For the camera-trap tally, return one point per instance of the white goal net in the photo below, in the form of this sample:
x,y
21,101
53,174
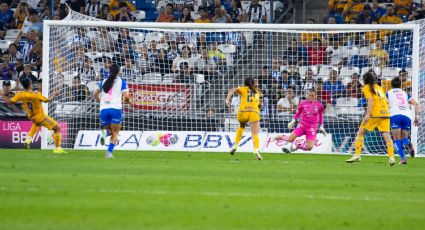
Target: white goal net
x,y
179,74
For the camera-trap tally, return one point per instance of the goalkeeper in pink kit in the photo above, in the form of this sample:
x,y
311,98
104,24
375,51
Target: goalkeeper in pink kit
x,y
310,111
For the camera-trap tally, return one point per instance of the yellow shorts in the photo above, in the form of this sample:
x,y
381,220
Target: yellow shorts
x,y
248,117
45,121
383,124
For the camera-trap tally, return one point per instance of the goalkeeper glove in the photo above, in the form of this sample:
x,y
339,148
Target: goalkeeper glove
x,y
291,124
322,130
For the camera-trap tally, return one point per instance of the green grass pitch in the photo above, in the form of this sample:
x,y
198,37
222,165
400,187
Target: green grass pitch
x,y
176,190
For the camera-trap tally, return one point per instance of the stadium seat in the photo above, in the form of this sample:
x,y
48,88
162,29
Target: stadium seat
x,y
11,34
114,34
93,34
151,78
349,51
12,84
4,45
364,51
139,15
94,56
180,46
303,69
168,78
70,109
228,50
156,36
245,5
161,5
390,72
195,15
324,71
69,76
358,61
230,124
348,71
138,37
347,102
199,78
162,46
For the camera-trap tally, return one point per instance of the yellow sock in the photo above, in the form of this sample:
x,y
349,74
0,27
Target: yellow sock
x,y
57,138
390,148
238,136
31,134
359,145
256,141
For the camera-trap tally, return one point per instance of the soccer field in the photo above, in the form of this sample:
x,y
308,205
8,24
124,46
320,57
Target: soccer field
x,y
169,190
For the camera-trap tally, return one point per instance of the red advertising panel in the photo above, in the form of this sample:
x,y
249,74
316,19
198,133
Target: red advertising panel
x,y
167,97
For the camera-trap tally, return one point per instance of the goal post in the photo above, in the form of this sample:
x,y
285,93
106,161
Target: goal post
x,y
168,103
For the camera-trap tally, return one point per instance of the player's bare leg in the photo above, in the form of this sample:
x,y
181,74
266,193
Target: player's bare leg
x,y
358,146
31,134
255,129
115,129
396,133
238,138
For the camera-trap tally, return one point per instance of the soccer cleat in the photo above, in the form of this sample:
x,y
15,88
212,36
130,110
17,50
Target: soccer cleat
x,y
391,161
232,151
353,159
411,149
27,145
403,162
59,151
103,137
258,156
109,155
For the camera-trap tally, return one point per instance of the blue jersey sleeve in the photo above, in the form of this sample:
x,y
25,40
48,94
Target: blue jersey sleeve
x,y
123,85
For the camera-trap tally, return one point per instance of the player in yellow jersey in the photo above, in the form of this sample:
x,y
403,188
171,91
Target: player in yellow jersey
x,y
377,116
249,112
31,103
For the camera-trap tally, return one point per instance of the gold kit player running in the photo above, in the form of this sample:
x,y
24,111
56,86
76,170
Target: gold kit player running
x,y
249,112
31,103
377,116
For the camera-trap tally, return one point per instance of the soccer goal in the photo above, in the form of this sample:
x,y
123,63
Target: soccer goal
x,y
179,75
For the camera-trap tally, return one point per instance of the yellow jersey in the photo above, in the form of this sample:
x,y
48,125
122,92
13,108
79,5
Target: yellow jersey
x,y
390,20
250,101
114,7
31,102
337,4
380,103
379,57
353,11
403,3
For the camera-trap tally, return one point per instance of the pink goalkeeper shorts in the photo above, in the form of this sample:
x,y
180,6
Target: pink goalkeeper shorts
x,y
310,133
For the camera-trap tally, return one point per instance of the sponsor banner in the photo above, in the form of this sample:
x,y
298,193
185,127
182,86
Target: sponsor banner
x,y
323,143
127,140
161,97
223,142
171,141
13,133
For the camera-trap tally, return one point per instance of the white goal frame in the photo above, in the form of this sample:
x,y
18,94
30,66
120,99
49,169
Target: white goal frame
x,y
294,28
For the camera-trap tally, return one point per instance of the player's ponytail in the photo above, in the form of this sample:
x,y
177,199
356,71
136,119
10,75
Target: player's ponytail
x,y
249,82
113,73
370,79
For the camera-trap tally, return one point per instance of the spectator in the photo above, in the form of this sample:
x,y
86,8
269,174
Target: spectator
x,y
334,86
20,14
203,16
6,15
162,64
167,14
352,21
211,8
19,66
104,71
124,15
372,36
105,13
124,38
93,9
79,92
14,53
7,70
336,6
266,81
403,7
352,9
377,11
63,89
284,82
276,69
354,88
143,61
255,13
185,74
335,52
87,73
104,42
216,55
316,53
335,18
36,24
308,82
36,56
294,54
186,16
306,38
173,51
186,56
153,51
7,93
389,17
331,20
206,66
28,74
288,104
406,84
221,16
77,5
235,11
366,16
114,6
128,71
323,95
379,55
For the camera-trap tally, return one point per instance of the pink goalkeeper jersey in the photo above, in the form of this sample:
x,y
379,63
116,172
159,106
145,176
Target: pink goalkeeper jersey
x,y
311,114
